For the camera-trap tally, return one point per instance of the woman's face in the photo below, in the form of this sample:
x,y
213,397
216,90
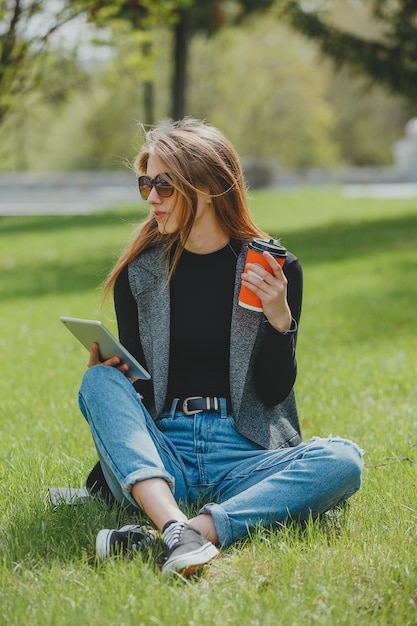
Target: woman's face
x,y
165,210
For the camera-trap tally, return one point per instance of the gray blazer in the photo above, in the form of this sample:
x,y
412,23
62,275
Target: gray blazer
x,y
269,427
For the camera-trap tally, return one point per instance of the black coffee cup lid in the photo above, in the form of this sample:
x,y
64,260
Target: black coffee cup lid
x,y
261,245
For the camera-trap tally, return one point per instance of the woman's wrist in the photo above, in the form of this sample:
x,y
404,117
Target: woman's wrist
x,y
290,330
282,323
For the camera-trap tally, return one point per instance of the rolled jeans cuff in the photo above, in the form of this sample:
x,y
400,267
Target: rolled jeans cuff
x,y
145,474
221,523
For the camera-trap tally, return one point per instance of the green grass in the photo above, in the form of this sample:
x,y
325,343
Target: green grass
x,y
357,370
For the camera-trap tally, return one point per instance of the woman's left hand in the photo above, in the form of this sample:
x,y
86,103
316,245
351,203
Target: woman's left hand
x,y
271,289
114,361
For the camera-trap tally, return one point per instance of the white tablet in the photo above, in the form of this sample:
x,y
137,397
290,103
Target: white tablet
x,y
89,331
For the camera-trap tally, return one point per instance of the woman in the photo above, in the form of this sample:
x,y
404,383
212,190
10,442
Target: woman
x,y
217,423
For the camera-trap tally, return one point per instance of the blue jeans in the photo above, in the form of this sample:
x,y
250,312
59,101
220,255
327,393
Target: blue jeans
x,y
203,458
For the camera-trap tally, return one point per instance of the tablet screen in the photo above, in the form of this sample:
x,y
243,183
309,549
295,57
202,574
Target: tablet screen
x,y
89,331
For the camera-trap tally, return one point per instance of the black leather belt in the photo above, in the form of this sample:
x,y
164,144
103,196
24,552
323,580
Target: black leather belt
x,y
198,404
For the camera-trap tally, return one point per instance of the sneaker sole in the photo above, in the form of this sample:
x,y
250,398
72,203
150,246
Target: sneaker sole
x,y
188,564
102,543
103,547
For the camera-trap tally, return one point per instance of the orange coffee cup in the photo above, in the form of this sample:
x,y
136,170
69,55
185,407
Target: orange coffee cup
x,y
247,298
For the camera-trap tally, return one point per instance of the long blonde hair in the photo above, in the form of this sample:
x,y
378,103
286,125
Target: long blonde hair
x,y
196,155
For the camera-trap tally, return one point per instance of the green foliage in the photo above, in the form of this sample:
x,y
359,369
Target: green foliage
x,y
367,122
98,128
26,28
390,58
185,17
252,83
266,86
356,359
138,15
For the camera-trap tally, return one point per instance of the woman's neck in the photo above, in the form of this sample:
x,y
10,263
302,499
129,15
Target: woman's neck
x,y
207,248
206,234
205,242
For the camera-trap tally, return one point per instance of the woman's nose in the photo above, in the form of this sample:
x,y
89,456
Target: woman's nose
x,y
154,197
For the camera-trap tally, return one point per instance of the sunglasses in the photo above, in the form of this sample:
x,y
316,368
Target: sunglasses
x,y
162,186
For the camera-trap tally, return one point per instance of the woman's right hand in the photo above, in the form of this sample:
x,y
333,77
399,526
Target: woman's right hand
x,y
114,361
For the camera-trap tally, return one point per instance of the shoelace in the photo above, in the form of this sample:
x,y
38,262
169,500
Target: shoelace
x,y
173,534
135,538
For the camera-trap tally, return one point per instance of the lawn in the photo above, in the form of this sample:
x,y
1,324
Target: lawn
x,y
357,371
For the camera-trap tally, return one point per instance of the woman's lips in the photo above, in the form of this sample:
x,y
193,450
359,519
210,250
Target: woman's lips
x,y
159,215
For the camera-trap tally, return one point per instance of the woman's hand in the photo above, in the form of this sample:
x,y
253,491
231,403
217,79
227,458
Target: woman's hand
x,y
114,361
271,289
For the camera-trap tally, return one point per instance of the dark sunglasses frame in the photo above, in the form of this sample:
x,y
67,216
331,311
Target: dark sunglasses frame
x,y
162,186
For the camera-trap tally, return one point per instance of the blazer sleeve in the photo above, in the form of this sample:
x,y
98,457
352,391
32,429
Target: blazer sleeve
x,y
275,369
128,328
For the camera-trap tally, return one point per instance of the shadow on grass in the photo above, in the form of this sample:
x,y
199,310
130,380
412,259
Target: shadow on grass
x,y
22,225
41,277
344,240
33,280
332,242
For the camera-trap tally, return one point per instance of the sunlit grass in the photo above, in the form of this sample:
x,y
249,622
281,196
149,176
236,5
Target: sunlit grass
x,y
357,372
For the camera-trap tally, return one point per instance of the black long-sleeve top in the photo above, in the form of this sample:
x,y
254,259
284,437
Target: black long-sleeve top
x,y
201,294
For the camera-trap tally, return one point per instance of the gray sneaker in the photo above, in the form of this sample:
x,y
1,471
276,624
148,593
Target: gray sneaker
x,y
188,551
127,539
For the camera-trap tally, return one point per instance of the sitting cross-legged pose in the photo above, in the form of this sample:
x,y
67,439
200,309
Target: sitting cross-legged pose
x,y
217,422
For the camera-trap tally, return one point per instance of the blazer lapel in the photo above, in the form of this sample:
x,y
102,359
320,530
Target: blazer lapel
x,y
244,330
147,276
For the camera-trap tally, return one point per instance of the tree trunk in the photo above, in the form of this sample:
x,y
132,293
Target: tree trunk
x,y
182,35
148,90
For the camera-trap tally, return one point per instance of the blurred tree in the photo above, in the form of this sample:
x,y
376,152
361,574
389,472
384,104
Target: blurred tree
x,y
25,29
129,18
206,16
262,85
26,128
185,17
368,120
258,82
388,56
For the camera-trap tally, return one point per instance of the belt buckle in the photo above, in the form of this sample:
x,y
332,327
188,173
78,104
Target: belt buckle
x,y
185,405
